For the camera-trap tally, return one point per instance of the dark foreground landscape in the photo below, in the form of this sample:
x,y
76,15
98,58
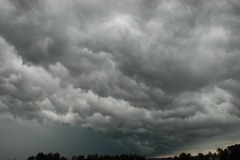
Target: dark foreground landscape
x,y
230,153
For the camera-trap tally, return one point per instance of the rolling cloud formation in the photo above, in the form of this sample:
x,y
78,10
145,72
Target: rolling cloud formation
x,y
155,74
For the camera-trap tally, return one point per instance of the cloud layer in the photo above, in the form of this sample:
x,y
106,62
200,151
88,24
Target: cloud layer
x,y
157,75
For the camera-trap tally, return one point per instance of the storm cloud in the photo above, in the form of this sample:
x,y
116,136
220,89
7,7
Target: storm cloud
x,y
156,75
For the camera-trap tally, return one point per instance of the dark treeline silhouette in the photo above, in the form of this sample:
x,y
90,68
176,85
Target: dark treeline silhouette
x,y
49,156
56,156
230,153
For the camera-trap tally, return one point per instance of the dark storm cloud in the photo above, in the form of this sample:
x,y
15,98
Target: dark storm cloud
x,y
24,138
157,75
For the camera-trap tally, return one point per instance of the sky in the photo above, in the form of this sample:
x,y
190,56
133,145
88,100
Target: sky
x,y
152,77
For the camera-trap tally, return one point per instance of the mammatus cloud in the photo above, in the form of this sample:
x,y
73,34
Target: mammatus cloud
x,y
157,75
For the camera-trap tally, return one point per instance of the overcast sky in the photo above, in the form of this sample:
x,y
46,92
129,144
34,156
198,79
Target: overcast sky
x,y
153,77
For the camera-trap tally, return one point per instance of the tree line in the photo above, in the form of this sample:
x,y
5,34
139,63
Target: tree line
x,y
230,153
56,156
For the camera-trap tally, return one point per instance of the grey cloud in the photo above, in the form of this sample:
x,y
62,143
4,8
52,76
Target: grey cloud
x,y
156,75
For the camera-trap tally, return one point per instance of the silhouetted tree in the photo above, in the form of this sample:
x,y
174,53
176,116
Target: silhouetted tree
x,y
63,158
56,156
183,156
234,152
31,158
200,156
40,156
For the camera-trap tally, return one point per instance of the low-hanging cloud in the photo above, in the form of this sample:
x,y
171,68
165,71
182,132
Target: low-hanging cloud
x,y
157,75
